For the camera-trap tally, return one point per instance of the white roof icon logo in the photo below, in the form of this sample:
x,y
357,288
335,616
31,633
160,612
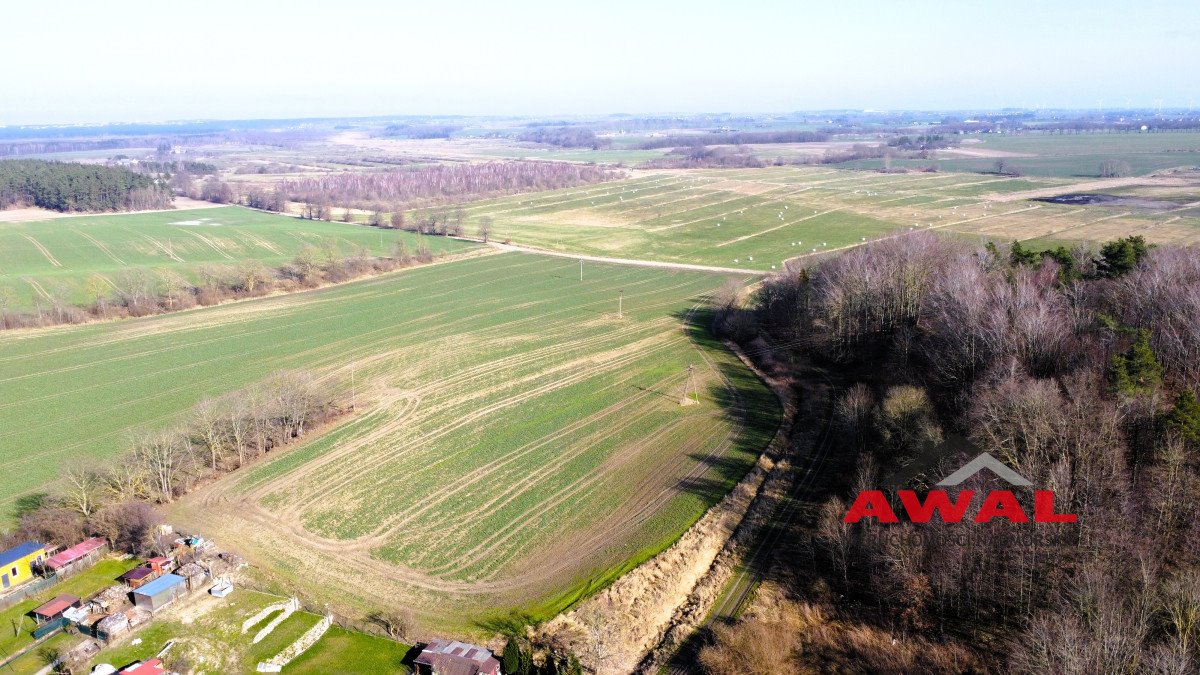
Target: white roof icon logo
x,y
985,461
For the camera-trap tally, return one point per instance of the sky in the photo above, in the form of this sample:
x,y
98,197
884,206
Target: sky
x,y
86,61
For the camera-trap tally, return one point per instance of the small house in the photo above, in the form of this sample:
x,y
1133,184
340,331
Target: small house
x,y
55,608
160,564
451,657
160,592
139,576
82,554
16,564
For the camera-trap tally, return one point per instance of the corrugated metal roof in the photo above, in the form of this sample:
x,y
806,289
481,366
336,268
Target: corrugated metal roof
x,y
20,551
70,555
159,585
57,605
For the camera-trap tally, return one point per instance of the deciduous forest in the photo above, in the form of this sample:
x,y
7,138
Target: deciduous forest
x,y
1077,368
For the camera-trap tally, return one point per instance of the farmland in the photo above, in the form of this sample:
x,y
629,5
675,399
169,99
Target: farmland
x,y
1065,155
60,256
515,440
756,219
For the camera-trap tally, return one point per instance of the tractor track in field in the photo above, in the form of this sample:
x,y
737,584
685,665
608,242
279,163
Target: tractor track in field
x,y
100,245
163,248
574,192
777,200
44,251
211,243
510,583
368,466
38,288
505,496
779,227
429,390
608,192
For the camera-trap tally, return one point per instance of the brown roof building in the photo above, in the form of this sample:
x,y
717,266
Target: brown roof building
x,y
55,608
450,657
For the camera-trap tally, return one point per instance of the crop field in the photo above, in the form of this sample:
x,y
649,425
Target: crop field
x,y
1065,155
60,256
756,218
516,442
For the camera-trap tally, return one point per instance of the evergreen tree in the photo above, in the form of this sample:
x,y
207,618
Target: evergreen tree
x,y
510,660
1137,371
1019,255
1067,269
1121,256
1185,416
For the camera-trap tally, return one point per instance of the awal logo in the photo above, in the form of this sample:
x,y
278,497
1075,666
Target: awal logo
x,y
996,504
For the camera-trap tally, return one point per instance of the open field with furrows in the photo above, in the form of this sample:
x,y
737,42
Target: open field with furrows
x,y
39,260
1063,155
516,458
516,442
757,218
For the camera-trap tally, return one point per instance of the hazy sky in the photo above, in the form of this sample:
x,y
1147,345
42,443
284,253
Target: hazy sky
x,y
121,60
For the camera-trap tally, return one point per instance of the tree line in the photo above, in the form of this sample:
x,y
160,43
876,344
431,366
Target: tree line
x,y
1079,368
140,291
735,138
565,137
438,184
69,186
113,498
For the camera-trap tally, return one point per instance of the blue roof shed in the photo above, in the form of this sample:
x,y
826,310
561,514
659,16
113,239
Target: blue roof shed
x,y
162,591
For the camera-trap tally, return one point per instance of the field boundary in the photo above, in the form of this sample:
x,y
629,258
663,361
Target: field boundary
x,y
686,267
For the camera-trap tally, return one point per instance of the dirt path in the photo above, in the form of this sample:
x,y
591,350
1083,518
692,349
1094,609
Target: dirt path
x,y
32,214
628,261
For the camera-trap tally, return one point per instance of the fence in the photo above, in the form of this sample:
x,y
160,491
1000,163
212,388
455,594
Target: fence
x,y
27,590
50,627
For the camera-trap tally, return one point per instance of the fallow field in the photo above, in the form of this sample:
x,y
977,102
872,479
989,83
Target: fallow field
x,y
755,219
516,442
61,256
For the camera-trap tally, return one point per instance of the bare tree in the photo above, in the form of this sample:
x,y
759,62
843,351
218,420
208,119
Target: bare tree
x,y
83,488
165,457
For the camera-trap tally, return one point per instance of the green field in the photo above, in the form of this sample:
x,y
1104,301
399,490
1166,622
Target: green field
x,y
1068,155
43,258
212,641
755,219
517,439
745,219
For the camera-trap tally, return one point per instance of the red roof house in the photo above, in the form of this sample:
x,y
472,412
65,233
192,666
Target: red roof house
x,y
76,553
451,657
55,608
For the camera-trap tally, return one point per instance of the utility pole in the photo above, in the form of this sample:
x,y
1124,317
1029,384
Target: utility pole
x,y
581,269
353,392
689,386
621,305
